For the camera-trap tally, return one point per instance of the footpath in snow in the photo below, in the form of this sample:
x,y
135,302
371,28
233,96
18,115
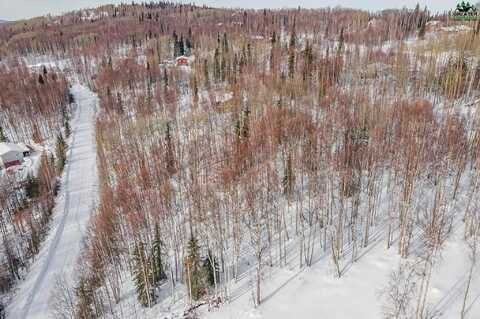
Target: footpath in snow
x,y
75,204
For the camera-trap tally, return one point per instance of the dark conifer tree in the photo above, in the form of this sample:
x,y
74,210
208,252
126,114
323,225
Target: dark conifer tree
x,y
273,43
216,65
194,270
288,177
211,269
181,46
206,73
225,43
71,98
165,77
157,263
176,49
249,54
32,187
3,137
245,126
143,276
170,152
189,41
85,300
291,55
61,152
341,40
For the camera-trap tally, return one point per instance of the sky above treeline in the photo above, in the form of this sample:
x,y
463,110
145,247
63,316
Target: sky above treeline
x,y
22,9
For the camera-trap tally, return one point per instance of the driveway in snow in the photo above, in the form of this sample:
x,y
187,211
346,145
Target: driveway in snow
x,y
75,204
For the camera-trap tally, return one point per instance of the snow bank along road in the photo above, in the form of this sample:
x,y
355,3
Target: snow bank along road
x,y
75,205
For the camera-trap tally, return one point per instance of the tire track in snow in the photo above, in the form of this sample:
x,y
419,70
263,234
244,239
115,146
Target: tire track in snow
x,y
55,241
63,245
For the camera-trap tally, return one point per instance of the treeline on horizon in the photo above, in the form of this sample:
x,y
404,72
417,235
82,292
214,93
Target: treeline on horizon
x,y
102,29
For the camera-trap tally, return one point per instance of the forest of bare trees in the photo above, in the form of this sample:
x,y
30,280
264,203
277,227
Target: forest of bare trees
x,y
292,134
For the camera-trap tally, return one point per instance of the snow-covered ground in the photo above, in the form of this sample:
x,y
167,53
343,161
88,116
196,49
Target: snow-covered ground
x,y
75,204
315,292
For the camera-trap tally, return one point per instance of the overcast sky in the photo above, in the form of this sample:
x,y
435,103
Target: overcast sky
x,y
19,9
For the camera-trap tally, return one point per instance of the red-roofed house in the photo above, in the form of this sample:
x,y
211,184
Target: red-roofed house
x,y
12,154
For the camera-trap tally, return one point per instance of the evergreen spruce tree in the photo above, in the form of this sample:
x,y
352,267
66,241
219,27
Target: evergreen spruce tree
x,y
291,64
157,264
210,269
71,98
225,43
68,130
110,63
175,45
308,58
181,46
288,177
293,39
291,55
84,301
245,127
32,187
194,271
205,72
66,122
3,137
61,152
195,89
341,41
170,154
119,103
272,52
249,54
216,65
143,276
165,77
223,66
189,42
243,60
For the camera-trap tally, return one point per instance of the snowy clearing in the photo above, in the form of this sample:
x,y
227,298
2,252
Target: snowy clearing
x,y
316,293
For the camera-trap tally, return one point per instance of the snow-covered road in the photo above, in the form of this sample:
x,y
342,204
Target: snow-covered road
x,y
75,205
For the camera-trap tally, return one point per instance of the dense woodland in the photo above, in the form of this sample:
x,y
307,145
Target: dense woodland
x,y
33,104
292,134
34,109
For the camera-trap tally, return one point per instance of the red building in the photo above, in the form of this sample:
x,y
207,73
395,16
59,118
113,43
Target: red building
x,y
12,154
181,60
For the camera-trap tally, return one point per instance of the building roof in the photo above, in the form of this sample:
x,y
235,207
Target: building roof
x,y
11,147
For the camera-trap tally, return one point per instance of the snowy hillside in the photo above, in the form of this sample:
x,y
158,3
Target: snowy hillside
x,y
224,163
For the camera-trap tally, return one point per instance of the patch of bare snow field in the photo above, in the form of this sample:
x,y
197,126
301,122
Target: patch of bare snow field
x,y
315,292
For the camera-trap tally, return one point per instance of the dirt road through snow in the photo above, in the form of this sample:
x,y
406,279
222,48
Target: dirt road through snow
x,y
75,205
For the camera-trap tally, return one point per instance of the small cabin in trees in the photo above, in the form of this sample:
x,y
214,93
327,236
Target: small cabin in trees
x,y
12,154
181,60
